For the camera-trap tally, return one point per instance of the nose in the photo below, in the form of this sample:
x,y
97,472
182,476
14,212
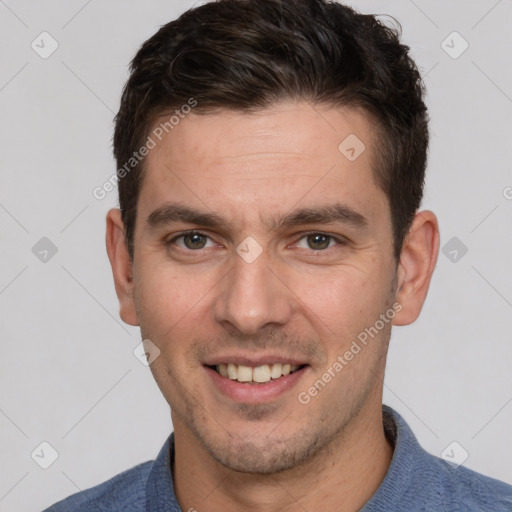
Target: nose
x,y
253,296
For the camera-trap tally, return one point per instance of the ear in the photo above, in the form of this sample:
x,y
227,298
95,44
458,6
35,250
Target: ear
x,y
417,262
121,266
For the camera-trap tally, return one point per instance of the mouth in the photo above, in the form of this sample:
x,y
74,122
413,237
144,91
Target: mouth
x,y
260,374
255,378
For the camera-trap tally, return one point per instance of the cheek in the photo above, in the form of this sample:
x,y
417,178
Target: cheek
x,y
340,301
170,302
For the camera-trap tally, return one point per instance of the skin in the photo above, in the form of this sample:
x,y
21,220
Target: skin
x,y
293,300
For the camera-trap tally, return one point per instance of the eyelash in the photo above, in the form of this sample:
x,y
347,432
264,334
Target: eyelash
x,y
338,240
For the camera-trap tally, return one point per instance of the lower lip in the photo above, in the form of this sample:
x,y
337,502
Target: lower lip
x,y
255,393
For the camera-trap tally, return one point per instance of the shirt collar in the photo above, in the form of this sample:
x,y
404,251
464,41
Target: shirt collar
x,y
160,495
408,459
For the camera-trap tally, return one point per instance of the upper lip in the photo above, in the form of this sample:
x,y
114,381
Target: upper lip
x,y
254,360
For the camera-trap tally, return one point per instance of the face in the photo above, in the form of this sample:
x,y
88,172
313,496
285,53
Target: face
x,y
260,249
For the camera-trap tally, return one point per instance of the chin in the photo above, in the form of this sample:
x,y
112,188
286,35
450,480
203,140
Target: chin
x,y
264,456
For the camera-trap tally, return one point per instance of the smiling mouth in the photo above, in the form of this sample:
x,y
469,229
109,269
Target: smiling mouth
x,y
255,374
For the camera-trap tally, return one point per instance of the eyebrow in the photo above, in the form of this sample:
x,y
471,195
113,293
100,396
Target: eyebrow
x,y
171,213
329,214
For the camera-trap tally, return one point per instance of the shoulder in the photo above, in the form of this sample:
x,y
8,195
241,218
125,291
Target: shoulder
x,y
468,490
124,492
437,486
418,481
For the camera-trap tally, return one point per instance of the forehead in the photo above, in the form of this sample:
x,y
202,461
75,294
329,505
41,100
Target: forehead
x,y
267,162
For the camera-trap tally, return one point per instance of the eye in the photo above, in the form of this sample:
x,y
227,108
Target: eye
x,y
192,241
317,241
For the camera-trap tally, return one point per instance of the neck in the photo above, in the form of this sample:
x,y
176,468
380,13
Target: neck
x,y
342,477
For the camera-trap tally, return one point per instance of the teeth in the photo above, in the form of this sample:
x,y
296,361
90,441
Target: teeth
x,y
232,371
244,373
260,374
275,371
223,369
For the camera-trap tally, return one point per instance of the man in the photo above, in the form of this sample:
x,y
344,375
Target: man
x,y
271,158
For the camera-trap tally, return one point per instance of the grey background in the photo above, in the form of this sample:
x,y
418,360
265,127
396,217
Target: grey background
x,y
67,370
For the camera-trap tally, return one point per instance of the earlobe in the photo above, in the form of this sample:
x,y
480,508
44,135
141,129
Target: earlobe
x,y
417,262
121,266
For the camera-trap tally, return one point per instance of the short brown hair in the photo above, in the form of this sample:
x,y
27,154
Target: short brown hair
x,y
245,55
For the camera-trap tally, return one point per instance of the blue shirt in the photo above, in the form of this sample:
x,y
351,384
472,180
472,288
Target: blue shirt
x,y
415,481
